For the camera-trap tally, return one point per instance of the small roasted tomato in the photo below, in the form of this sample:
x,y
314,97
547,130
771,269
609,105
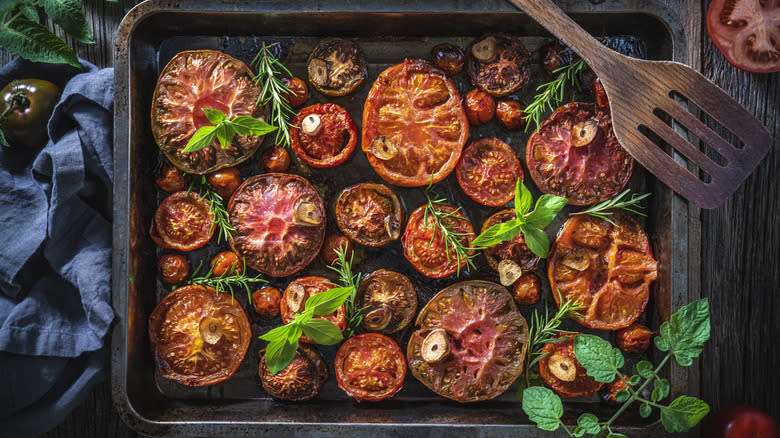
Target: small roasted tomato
x,y
600,93
561,370
525,291
607,268
370,367
300,92
511,114
576,155
323,135
556,55
294,301
634,338
610,390
199,336
515,255
267,301
226,263
498,64
336,67
276,159
390,299
740,421
488,172
170,178
424,247
335,242
225,181
301,380
480,107
183,222
25,108
369,214
449,58
746,32
173,268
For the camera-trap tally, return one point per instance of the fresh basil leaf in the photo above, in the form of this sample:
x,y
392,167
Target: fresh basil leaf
x,y
69,14
622,395
547,207
645,410
34,42
686,332
662,385
536,240
202,138
294,333
598,357
225,135
498,233
322,332
215,116
543,407
683,413
645,369
589,423
279,354
276,334
251,125
329,301
523,199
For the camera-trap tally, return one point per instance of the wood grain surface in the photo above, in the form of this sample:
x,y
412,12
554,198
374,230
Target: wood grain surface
x,y
737,257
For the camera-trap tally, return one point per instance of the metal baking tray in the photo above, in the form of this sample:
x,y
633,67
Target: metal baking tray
x,y
387,32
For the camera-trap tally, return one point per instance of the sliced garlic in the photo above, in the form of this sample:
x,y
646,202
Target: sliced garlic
x,y
295,297
509,272
307,214
577,259
584,132
383,148
435,346
377,319
485,50
210,330
311,124
562,367
318,72
392,227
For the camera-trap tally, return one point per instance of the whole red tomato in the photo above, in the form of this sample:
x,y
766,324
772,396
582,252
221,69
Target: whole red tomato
x,y
740,421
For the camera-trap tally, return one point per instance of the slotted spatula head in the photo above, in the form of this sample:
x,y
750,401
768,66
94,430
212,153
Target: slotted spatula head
x,y
645,96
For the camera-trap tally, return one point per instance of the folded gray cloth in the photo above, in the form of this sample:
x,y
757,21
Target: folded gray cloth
x,y
55,262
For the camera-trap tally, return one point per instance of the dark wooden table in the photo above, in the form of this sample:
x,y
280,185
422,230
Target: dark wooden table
x,y
738,246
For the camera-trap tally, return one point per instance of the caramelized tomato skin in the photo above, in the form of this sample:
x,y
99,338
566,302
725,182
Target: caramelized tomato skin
x,y
368,212
390,293
488,171
370,367
300,92
582,385
225,181
507,73
334,142
427,253
276,159
301,380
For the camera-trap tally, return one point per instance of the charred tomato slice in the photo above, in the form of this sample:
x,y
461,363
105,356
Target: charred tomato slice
x,y
515,250
280,223
607,268
391,301
470,343
414,126
301,380
336,67
370,367
487,172
199,336
294,301
199,79
561,370
498,64
323,135
183,221
747,32
424,246
370,214
576,155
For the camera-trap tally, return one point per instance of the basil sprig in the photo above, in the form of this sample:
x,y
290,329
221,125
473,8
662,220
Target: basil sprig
x,y
530,223
682,337
224,130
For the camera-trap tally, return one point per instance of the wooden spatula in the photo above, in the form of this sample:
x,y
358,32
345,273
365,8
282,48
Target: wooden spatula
x,y
640,94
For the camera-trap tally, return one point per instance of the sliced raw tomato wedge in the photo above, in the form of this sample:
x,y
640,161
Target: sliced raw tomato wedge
x,y
294,301
370,367
323,135
487,172
183,221
747,32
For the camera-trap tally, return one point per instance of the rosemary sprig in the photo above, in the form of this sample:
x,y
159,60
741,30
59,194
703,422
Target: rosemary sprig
x,y
349,280
221,221
453,240
606,208
272,90
550,94
225,282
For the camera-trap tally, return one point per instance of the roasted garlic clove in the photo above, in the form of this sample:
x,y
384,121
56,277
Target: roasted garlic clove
x,y
577,259
318,72
435,346
295,297
509,272
307,214
311,124
392,227
210,330
584,132
383,148
485,50
563,367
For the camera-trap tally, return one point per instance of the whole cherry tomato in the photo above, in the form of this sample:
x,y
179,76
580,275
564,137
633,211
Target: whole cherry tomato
x,y
225,181
525,290
480,107
276,159
511,114
741,421
266,301
171,179
448,58
634,338
226,263
334,242
300,92
173,268
25,107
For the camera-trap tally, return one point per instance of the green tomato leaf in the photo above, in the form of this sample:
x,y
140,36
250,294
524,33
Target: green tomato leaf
x,y
3,140
536,240
498,233
616,435
683,414
279,354
523,199
589,423
29,12
322,331
329,301
547,207
69,14
251,126
543,407
645,369
215,116
224,134
34,42
634,380
622,395
686,332
202,138
276,334
645,410
662,386
578,432
598,357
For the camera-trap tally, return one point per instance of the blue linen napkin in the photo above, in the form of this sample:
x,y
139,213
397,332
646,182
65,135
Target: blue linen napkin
x,y
55,259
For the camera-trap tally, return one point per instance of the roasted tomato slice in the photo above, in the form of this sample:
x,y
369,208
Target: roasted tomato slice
x,y
280,223
487,172
369,214
414,126
471,342
336,67
424,246
607,268
747,32
391,301
183,221
370,367
575,154
294,301
561,370
515,250
301,380
323,135
199,336
199,79
498,64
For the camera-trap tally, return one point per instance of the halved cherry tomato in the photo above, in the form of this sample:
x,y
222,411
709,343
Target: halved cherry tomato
x,y
414,126
634,338
424,246
498,64
300,92
370,214
488,171
561,370
335,242
747,32
471,342
607,268
173,268
323,135
225,181
391,301
170,178
370,367
741,421
183,222
336,67
294,301
280,223
576,155
226,263
301,380
199,336
267,301
515,250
